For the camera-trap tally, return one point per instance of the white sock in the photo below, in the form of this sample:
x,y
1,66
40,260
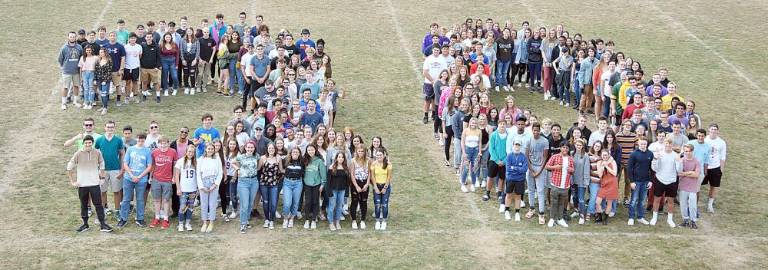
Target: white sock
x,y
710,202
64,100
669,216
157,93
655,215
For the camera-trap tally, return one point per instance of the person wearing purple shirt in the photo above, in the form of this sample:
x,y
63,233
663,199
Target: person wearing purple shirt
x,y
427,43
679,115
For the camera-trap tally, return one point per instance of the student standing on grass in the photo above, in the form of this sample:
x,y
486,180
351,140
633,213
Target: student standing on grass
x,y
689,187
112,149
496,163
362,179
594,184
606,170
581,176
150,66
185,178
69,57
86,172
206,134
272,168
715,165
639,172
169,58
247,165
381,178
209,172
131,71
314,175
516,166
190,55
137,164
229,183
560,168
338,181
292,186
538,154
470,147
103,76
666,166
431,69
163,159
117,53
87,65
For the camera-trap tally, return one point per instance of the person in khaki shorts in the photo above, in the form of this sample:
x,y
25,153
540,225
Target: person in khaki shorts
x,y
150,66
112,150
69,57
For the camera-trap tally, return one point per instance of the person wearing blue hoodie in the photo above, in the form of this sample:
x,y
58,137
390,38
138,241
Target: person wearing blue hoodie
x,y
69,57
516,165
496,170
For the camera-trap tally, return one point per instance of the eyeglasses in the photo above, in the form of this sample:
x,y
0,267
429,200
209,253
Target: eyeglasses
x,y
88,125
291,74
184,132
153,127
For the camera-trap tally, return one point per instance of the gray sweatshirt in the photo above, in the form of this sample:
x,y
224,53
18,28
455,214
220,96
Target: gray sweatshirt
x,y
581,169
666,167
69,57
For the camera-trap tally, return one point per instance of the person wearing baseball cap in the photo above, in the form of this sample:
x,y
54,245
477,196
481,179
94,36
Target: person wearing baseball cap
x,y
516,166
304,42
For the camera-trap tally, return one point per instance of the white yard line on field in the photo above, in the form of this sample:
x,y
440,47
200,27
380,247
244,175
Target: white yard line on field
x,y
675,24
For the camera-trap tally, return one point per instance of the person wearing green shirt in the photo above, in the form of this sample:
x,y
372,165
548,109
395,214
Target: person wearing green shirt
x,y
77,140
314,175
113,150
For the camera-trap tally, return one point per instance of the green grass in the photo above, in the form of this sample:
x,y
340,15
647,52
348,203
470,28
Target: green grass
x,y
432,224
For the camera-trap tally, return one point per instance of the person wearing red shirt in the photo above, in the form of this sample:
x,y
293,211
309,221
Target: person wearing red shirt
x,y
561,169
163,159
637,103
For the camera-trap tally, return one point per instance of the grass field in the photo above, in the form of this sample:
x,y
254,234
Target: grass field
x,y
708,47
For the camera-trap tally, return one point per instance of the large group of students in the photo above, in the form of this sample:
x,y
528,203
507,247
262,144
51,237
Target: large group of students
x,y
647,135
280,141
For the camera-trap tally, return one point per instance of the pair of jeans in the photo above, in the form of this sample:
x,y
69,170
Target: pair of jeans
x,y
359,199
311,202
247,187
208,203
93,194
636,208
291,195
88,86
484,157
502,68
381,202
104,92
233,200
536,188
447,144
576,91
558,197
456,151
563,83
224,194
335,205
593,189
236,75
189,72
470,164
688,205
269,200
129,189
607,107
169,69
186,206
580,192
534,73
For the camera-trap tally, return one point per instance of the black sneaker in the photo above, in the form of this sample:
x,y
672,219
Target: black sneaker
x,y
694,226
83,228
425,120
157,99
242,228
121,224
105,228
685,223
141,224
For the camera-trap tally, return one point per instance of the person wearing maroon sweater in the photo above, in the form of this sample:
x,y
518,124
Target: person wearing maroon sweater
x,y
163,159
169,59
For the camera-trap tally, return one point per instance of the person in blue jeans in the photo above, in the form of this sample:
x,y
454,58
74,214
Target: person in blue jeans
x,y
292,186
504,48
103,76
580,54
639,169
247,165
169,59
136,164
594,183
470,146
336,184
381,178
271,167
185,178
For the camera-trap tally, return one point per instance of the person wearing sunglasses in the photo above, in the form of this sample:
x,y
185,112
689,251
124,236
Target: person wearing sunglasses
x,y
153,135
77,140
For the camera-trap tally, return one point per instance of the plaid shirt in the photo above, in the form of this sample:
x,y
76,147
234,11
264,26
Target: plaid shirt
x,y
557,175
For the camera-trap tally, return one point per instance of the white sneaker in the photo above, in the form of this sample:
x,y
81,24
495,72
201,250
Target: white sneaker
x,y
507,216
342,218
332,226
165,93
204,228
522,204
482,184
476,184
266,224
472,188
77,104
546,97
278,215
290,223
233,214
581,221
710,208
561,223
192,91
354,225
181,227
186,91
567,105
285,224
377,226
306,224
643,221
497,88
574,214
174,92
611,214
103,111
551,223
63,106
517,217
561,103
313,225
188,227
631,222
383,225
441,142
670,221
501,208
464,189
362,225
271,225
653,221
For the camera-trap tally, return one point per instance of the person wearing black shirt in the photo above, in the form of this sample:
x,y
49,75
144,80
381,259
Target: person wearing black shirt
x,y
207,47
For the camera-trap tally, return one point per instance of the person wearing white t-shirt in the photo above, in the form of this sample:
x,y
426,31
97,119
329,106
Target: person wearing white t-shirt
x,y
715,165
132,63
245,65
185,173
431,69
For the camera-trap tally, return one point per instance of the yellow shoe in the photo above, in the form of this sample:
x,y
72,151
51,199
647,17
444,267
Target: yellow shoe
x,y
210,227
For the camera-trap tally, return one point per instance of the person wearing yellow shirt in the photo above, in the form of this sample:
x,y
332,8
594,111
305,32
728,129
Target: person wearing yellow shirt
x,y
381,176
622,97
666,101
